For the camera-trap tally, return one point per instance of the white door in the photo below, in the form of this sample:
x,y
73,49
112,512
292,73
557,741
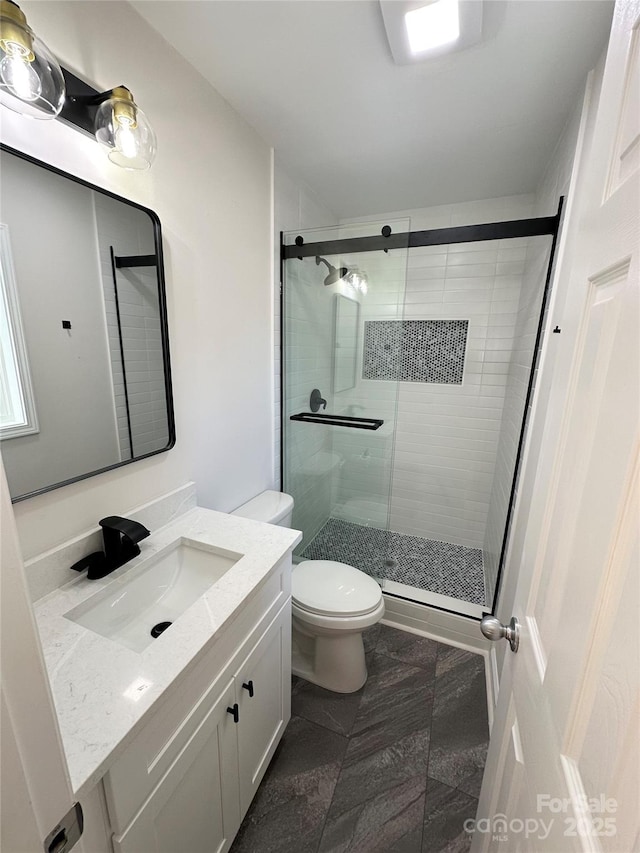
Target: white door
x,y
35,791
563,763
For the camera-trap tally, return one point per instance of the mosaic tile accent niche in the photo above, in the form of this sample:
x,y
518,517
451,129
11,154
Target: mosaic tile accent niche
x,y
415,350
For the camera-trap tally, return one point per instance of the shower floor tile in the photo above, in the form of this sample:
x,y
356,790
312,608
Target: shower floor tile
x,y
453,570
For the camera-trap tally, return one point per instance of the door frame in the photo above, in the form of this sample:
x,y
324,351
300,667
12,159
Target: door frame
x,y
37,791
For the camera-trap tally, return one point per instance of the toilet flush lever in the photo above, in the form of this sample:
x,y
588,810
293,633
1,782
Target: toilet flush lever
x,y
493,630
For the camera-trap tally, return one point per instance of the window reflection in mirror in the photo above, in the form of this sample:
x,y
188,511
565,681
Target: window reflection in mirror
x,y
88,272
17,405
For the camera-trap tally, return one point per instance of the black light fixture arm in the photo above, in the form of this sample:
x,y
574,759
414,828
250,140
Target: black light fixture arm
x,y
81,102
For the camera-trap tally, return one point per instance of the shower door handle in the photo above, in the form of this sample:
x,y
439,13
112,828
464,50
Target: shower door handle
x,y
494,630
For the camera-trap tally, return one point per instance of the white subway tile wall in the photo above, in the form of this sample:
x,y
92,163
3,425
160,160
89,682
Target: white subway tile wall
x,y
554,184
295,207
130,232
445,449
517,382
441,466
309,365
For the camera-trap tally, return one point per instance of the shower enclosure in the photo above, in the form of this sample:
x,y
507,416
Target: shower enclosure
x,y
407,361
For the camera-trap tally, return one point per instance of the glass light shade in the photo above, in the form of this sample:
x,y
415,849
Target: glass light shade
x,y
31,81
123,128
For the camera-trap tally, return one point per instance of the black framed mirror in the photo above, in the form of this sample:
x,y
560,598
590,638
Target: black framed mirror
x,y
85,376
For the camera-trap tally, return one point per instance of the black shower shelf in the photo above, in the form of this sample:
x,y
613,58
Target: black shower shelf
x,y
337,420
126,261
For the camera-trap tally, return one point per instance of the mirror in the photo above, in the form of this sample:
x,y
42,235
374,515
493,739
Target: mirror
x,y
345,353
85,383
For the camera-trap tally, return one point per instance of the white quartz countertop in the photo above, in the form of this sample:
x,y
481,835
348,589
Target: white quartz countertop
x,y
100,688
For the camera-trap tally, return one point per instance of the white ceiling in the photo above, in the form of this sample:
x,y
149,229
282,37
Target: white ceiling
x,y
317,81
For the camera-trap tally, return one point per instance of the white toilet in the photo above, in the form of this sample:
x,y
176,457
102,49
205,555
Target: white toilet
x,y
332,603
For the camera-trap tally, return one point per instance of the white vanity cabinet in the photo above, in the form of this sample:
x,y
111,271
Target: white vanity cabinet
x,y
188,777
196,806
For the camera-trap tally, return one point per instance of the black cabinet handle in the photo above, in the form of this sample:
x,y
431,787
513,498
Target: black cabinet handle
x,y
248,685
235,713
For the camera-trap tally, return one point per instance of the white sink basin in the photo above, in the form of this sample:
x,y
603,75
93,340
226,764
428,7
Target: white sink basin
x,y
130,607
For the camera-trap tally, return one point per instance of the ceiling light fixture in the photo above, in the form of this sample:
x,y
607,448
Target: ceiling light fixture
x,y
432,26
31,80
421,30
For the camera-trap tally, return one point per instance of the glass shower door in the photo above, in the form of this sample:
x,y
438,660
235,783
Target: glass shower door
x,y
338,428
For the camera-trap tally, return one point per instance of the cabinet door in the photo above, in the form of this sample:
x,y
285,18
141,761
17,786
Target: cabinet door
x,y
265,673
196,806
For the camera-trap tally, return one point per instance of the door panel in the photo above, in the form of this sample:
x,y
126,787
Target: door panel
x,y
264,715
196,806
574,686
36,791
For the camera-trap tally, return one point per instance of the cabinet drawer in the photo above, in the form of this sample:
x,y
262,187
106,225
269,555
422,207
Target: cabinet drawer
x,y
164,733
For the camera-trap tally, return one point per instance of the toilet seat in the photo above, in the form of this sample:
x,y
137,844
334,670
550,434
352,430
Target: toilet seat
x,y
327,588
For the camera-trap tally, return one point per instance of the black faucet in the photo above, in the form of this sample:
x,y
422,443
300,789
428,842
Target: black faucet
x,y
120,536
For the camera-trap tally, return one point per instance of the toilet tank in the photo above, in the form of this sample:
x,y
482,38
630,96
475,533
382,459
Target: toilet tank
x,y
272,507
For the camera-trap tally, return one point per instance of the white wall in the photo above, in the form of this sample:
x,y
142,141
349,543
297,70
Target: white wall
x,y
49,220
211,187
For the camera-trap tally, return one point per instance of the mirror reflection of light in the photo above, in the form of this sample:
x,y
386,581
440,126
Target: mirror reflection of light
x,y
358,282
137,689
117,600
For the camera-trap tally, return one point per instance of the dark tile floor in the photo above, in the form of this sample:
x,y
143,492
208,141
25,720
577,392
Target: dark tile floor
x,y
393,768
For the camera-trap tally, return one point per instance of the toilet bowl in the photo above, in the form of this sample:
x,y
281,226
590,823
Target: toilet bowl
x,y
332,603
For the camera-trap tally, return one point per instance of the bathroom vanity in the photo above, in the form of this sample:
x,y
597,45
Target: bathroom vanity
x,y
175,738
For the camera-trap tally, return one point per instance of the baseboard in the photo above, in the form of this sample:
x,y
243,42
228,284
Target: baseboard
x,y
448,628
436,624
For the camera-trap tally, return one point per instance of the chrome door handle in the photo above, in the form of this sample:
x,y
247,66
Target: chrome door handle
x,y
493,630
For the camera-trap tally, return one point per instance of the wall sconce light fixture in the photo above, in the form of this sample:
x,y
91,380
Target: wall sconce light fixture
x,y
115,120
31,81
122,126
34,84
